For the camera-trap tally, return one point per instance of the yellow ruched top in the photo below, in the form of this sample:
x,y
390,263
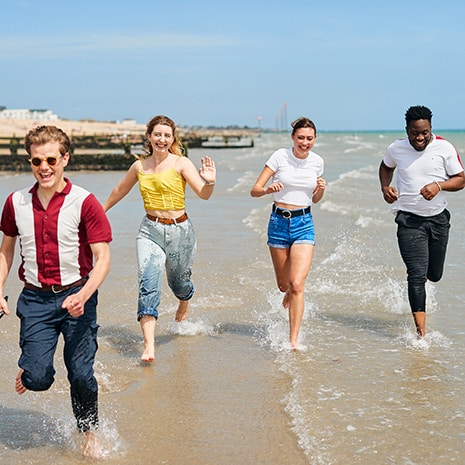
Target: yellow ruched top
x,y
162,191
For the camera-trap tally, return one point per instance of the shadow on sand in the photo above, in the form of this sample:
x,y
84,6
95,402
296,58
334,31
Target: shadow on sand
x,y
27,429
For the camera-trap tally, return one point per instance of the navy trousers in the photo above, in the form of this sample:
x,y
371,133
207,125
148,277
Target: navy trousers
x,y
42,322
423,245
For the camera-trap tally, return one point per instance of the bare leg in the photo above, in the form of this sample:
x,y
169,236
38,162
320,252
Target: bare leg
x,y
91,447
183,310
296,313
291,268
420,322
148,323
280,259
20,389
286,299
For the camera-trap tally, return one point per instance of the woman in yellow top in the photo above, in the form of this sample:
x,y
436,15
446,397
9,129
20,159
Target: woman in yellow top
x,y
166,237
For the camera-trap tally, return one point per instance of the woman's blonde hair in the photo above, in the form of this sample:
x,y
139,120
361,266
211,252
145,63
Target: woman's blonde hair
x,y
176,147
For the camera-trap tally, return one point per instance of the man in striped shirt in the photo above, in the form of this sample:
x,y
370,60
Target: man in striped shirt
x,y
64,238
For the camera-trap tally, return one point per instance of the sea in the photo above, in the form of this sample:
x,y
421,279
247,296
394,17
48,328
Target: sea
x,y
225,389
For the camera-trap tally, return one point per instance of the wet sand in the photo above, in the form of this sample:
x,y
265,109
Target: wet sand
x,y
213,395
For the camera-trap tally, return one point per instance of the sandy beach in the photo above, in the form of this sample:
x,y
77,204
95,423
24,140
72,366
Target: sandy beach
x,y
224,388
18,127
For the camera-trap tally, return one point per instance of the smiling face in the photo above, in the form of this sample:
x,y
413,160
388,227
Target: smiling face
x,y
49,176
304,140
161,138
419,134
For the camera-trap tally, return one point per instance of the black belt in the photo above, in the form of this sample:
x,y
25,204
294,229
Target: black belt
x,y
55,288
290,213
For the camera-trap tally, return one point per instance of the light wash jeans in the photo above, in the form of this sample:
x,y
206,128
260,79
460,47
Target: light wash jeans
x,y
164,246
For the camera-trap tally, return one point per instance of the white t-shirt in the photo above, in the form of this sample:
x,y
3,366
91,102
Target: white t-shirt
x,y
415,169
298,176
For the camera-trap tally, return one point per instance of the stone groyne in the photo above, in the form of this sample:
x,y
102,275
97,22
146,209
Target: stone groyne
x,y
114,148
89,162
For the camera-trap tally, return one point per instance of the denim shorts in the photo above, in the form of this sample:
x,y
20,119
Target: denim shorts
x,y
284,232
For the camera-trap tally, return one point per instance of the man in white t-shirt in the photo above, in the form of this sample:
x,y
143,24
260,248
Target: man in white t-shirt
x,y
427,166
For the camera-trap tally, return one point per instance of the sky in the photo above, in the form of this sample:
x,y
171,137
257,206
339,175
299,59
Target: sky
x,y
346,65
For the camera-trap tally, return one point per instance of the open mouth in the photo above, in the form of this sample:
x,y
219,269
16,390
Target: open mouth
x,y
45,176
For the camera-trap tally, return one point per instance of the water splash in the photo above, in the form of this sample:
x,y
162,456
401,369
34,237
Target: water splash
x,y
192,328
433,339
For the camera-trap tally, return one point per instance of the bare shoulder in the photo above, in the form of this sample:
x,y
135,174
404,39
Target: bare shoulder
x,y
182,163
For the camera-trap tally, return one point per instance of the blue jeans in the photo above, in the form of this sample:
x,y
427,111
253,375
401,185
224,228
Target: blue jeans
x,y
42,321
160,247
283,232
422,244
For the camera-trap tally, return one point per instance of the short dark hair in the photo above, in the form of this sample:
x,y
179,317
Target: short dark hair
x,y
418,112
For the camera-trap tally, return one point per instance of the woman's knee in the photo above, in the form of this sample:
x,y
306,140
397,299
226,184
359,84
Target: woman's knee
x,y
282,283
297,286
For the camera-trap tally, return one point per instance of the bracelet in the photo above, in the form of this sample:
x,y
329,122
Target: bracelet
x,y
208,183
439,185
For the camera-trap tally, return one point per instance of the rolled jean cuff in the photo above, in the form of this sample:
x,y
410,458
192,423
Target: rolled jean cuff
x,y
147,312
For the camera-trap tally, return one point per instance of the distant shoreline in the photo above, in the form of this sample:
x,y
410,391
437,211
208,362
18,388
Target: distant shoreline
x,y
108,145
19,127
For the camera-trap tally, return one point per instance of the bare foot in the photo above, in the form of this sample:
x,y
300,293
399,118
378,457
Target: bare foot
x,y
149,353
91,447
297,347
148,324
183,311
286,300
20,389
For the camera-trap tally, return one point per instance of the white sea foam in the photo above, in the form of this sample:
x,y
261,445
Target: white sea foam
x,y
192,327
432,339
256,220
244,182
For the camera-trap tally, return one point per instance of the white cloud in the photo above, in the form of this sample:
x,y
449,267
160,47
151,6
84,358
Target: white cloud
x,y
24,45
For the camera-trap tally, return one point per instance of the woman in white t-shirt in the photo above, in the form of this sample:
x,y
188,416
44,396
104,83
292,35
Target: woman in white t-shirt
x,y
296,183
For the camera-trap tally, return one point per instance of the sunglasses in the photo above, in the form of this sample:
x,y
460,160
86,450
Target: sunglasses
x,y
51,161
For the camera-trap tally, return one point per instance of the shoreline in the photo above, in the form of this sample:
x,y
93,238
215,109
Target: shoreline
x,y
10,128
108,145
19,127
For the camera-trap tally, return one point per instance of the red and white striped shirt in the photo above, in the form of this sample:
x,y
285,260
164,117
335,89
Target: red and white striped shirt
x,y
54,242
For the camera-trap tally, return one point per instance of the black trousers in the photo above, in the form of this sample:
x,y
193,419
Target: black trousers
x,y
422,244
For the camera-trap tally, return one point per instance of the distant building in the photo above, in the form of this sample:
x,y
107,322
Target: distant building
x,y
34,114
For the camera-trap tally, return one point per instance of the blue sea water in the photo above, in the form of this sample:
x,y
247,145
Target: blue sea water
x,y
225,389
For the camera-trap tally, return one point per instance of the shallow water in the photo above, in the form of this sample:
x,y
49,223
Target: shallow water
x,y
225,389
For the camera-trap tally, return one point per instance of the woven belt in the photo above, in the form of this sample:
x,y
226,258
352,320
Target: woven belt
x,y
55,288
180,219
290,213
